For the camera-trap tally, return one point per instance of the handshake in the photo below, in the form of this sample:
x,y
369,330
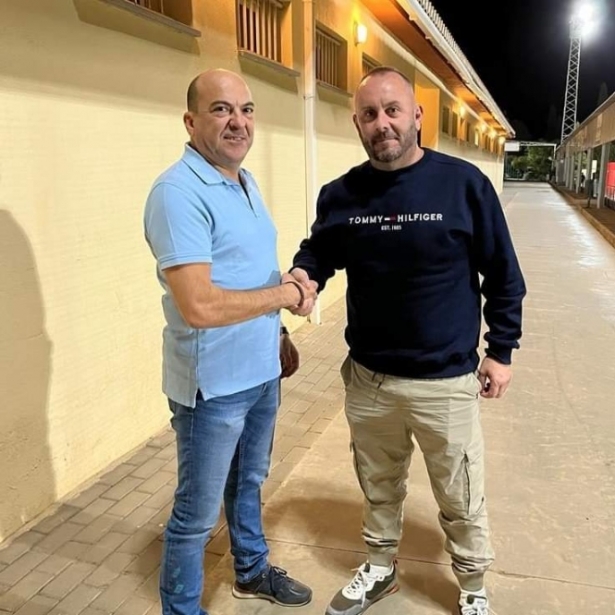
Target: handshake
x,y
305,292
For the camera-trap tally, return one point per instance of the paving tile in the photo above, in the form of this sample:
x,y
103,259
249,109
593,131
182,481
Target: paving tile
x,y
128,503
19,546
140,540
110,569
72,550
76,601
85,498
37,605
21,567
149,468
155,482
114,476
54,564
67,580
62,514
135,605
24,590
163,496
93,510
127,485
58,537
117,593
94,531
147,561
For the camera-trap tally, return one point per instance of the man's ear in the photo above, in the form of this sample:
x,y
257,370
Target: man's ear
x,y
189,122
418,115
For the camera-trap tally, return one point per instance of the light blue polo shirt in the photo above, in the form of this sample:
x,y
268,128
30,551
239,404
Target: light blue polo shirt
x,y
194,214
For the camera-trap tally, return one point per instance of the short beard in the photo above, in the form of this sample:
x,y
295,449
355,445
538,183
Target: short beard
x,y
406,142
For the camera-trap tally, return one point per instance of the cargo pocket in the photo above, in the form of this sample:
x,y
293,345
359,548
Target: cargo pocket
x,y
473,488
345,370
357,469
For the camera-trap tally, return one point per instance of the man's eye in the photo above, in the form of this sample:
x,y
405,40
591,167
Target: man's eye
x,y
248,110
393,110
220,109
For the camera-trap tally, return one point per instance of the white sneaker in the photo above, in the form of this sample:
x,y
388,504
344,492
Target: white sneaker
x,y
473,603
369,585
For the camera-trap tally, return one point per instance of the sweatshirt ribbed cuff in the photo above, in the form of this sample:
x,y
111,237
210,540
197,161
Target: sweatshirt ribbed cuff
x,y
501,354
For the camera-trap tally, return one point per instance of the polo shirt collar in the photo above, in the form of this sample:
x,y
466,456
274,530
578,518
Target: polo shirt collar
x,y
205,171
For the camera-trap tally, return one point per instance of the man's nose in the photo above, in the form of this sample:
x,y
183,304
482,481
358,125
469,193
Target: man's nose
x,y
382,122
237,119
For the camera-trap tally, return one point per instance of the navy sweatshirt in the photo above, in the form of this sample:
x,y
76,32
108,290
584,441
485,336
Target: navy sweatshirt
x,y
413,243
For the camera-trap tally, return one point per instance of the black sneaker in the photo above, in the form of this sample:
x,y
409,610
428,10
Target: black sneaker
x,y
275,585
366,588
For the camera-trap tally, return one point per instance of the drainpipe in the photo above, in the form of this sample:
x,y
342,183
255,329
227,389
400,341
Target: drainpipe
x,y
309,123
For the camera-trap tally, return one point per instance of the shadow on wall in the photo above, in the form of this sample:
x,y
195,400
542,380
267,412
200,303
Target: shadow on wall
x,y
26,482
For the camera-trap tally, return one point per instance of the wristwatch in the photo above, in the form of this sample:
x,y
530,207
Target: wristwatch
x,y
283,330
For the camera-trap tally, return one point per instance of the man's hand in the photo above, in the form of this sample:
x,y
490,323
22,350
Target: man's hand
x,y
495,378
311,291
289,356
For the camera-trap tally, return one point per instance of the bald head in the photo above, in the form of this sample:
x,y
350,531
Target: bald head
x,y
380,75
388,118
211,80
220,119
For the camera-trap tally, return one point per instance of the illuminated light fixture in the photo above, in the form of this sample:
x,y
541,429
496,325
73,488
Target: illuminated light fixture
x,y
493,134
501,140
360,33
462,110
483,127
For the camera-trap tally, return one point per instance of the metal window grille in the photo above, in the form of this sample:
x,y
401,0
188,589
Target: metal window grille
x,y
455,126
446,120
152,5
368,65
328,53
260,27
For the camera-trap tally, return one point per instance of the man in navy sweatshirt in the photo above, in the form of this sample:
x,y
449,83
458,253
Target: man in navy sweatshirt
x,y
421,236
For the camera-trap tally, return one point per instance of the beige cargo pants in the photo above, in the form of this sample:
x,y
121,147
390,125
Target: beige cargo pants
x,y
383,413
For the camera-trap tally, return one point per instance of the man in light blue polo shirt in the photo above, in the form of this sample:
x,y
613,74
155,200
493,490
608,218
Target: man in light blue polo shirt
x,y
215,248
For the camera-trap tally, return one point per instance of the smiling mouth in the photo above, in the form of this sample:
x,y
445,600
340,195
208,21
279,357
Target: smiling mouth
x,y
234,139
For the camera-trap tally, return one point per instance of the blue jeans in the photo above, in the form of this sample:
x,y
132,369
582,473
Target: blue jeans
x,y
223,453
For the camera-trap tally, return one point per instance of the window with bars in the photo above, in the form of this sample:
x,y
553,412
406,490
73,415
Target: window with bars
x,y
259,27
446,120
152,5
368,64
330,59
178,10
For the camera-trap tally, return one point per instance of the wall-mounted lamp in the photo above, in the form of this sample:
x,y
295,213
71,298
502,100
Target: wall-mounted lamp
x,y
360,33
501,140
483,127
493,134
462,110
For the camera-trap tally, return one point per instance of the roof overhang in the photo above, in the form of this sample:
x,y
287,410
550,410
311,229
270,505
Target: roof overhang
x,y
417,26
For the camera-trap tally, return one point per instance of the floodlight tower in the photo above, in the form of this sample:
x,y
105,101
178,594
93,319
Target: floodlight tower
x,y
581,23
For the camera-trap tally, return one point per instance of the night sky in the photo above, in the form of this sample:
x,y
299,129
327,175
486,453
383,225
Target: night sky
x,y
519,49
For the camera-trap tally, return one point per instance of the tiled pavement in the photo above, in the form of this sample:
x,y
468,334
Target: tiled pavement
x,y
99,552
